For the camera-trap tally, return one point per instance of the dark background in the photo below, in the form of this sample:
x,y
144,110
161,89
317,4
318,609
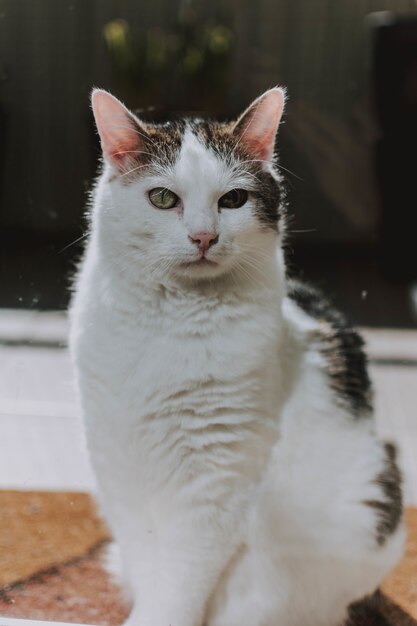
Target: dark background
x,y
348,145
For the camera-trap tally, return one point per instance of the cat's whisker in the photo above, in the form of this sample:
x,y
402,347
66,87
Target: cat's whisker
x,y
134,169
252,161
250,247
281,167
74,242
263,161
243,269
253,176
232,275
136,152
301,230
255,263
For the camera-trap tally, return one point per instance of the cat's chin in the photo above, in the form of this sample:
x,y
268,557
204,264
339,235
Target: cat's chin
x,y
200,269
199,263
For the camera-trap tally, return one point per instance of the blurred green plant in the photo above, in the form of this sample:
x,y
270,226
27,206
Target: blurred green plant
x,y
186,64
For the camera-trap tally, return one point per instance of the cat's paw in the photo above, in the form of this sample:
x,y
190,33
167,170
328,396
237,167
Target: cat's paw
x,y
112,562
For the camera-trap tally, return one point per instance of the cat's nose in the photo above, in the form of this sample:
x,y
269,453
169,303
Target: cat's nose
x,y
204,240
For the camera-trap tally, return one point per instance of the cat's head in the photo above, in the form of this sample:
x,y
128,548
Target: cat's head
x,y
192,199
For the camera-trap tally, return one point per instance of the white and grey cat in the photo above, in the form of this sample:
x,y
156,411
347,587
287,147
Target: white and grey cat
x,y
227,409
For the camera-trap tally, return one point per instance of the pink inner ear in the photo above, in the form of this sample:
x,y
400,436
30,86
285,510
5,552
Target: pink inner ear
x,y
262,146
258,125
118,130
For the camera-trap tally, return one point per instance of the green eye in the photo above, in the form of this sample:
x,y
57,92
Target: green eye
x,y
233,199
163,198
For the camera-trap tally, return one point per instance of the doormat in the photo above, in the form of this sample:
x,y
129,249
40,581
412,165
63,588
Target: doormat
x,y
51,566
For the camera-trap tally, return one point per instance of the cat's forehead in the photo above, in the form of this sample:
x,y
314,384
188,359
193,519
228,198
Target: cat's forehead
x,y
198,163
189,140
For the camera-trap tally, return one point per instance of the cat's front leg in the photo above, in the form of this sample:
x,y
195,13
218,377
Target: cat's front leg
x,y
174,569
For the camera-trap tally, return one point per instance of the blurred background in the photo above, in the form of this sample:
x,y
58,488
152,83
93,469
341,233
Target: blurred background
x,y
347,146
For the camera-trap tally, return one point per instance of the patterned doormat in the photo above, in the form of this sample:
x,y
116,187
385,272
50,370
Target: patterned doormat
x,y
51,550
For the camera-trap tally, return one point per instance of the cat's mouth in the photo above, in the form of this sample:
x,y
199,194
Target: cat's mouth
x,y
201,262
201,267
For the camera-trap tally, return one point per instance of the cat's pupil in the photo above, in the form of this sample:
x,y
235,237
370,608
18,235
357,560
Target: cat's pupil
x,y
163,198
233,199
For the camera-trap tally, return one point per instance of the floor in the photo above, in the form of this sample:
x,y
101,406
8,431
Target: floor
x,y
41,441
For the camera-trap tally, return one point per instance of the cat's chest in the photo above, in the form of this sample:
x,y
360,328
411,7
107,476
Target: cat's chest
x,y
152,363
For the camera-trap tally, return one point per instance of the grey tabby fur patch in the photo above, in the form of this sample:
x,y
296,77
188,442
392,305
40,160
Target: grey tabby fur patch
x,y
342,348
389,510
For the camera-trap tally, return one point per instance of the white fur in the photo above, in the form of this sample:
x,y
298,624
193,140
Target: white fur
x,y
229,476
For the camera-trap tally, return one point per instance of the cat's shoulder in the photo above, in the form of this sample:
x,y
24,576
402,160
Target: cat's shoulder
x,y
339,342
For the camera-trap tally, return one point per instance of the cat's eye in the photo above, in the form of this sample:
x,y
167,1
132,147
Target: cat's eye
x,y
163,198
233,199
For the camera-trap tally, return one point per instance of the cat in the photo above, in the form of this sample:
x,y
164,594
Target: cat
x,y
227,409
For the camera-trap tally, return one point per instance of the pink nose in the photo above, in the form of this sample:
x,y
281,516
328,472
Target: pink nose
x,y
204,240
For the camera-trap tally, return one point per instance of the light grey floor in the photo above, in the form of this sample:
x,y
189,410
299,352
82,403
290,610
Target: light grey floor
x,y
41,442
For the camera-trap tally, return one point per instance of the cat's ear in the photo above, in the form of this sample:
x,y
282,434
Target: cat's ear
x,y
119,130
257,127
